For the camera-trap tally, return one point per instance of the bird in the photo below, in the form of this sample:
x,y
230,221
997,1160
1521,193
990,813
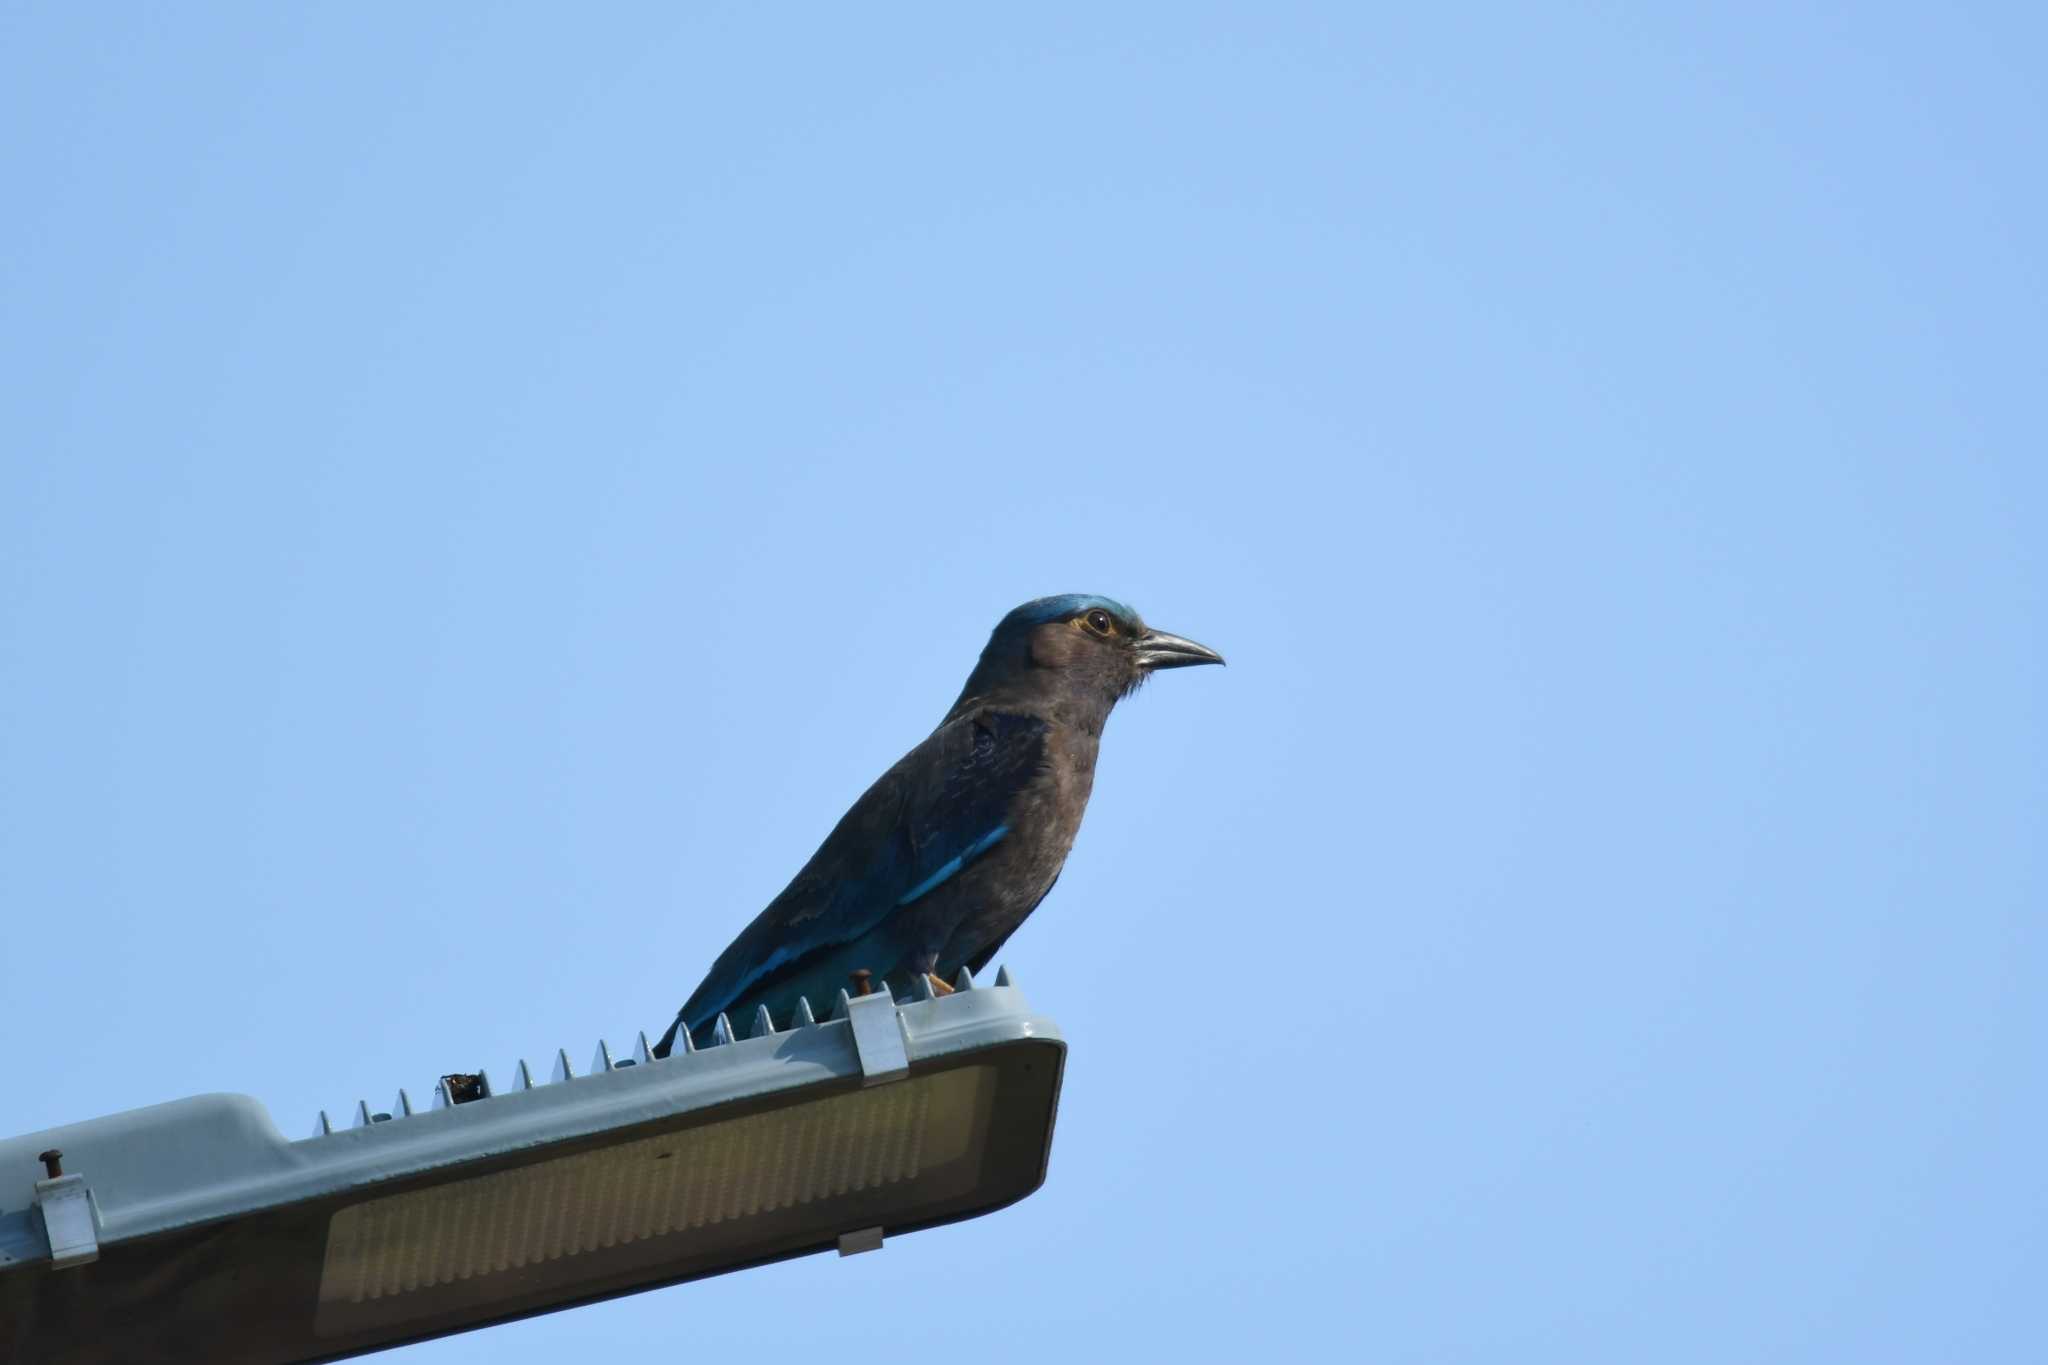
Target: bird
x,y
938,862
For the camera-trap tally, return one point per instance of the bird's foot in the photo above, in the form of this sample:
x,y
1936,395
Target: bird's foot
x,y
939,987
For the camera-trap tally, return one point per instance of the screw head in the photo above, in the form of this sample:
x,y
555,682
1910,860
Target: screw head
x,y
53,1162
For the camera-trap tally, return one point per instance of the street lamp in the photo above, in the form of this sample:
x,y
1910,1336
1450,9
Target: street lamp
x,y
195,1230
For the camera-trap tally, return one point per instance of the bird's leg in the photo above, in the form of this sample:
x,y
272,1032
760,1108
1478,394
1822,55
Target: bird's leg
x,y
939,986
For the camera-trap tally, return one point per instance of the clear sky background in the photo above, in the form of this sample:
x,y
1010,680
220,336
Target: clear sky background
x,y
481,492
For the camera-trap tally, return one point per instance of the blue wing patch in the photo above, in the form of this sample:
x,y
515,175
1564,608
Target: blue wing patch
x,y
775,959
946,870
967,855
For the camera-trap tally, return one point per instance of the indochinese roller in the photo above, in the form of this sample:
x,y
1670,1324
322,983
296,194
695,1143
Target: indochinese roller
x,y
943,857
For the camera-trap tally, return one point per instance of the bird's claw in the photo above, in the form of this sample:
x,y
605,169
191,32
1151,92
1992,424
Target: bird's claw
x,y
939,987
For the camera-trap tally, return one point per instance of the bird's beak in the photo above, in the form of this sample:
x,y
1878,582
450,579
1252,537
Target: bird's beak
x,y
1157,649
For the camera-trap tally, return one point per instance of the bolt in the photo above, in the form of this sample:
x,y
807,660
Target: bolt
x,y
53,1162
860,981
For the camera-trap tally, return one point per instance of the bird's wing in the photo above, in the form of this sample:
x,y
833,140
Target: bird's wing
x,y
943,804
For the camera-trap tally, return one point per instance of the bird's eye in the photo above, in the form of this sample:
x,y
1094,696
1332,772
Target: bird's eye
x,y
1100,622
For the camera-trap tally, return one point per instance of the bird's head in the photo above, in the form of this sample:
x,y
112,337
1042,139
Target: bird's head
x,y
1091,649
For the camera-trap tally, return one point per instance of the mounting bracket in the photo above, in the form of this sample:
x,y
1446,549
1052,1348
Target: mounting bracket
x,y
70,1219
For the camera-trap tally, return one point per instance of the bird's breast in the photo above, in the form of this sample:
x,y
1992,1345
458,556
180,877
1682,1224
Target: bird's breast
x,y
1045,818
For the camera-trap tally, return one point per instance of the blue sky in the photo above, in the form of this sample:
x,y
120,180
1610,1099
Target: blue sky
x,y
481,493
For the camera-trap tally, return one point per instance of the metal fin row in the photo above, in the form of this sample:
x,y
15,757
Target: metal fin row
x,y
470,1087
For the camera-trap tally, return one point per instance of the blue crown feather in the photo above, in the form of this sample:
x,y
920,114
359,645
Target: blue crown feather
x,y
1060,608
